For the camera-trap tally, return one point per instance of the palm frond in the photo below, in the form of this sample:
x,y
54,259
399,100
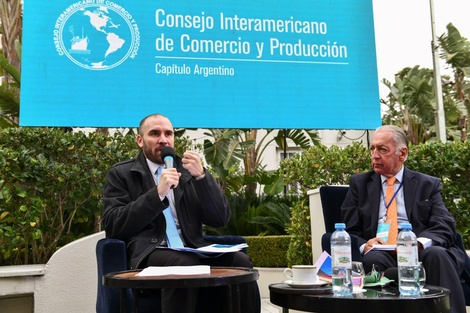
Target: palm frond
x,y
10,69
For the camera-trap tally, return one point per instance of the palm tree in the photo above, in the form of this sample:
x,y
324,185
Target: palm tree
x,y
10,61
229,148
11,17
9,94
411,104
254,153
456,52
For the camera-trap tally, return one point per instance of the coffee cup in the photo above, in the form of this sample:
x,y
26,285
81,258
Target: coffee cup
x,y
302,274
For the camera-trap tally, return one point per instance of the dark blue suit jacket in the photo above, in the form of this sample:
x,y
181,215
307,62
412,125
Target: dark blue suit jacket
x,y
424,206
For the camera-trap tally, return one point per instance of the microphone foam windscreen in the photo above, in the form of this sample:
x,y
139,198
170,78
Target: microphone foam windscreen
x,y
167,151
392,273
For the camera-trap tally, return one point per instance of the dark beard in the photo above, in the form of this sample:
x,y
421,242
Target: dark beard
x,y
149,154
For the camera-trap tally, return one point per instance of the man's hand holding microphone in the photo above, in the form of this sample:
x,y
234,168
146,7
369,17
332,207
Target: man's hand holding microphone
x,y
169,177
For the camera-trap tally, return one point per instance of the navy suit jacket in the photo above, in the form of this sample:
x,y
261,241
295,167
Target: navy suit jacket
x,y
424,206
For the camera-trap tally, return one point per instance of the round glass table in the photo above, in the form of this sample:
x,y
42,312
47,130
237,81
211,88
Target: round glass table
x,y
385,299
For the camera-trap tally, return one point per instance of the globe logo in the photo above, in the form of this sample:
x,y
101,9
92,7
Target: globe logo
x,y
96,37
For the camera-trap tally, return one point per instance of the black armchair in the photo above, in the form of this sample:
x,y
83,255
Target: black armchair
x,y
332,198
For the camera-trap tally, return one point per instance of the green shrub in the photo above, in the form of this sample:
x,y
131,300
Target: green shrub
x,y
254,215
51,186
451,163
320,166
268,251
300,246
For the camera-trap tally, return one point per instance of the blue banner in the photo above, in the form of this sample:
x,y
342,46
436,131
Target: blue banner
x,y
203,63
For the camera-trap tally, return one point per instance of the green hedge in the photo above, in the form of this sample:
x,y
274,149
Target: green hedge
x,y
50,188
268,251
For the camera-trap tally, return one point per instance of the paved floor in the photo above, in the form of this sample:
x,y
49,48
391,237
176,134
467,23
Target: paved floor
x,y
268,307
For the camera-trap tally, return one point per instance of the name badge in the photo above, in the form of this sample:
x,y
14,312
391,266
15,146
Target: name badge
x,y
382,231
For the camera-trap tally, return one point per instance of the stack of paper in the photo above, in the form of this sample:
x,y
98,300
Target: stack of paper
x,y
175,270
215,248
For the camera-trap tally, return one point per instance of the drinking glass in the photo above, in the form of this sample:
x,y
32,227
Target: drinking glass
x,y
422,278
358,275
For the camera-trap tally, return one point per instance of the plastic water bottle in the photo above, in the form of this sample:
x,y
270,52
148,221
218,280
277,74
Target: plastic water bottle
x,y
341,261
408,264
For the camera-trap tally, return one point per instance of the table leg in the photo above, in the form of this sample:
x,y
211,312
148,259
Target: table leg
x,y
230,299
123,300
285,310
233,299
236,308
135,294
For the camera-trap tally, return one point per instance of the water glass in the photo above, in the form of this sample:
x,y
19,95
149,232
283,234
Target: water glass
x,y
422,278
358,275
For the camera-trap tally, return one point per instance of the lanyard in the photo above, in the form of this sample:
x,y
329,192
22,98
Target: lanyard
x,y
391,200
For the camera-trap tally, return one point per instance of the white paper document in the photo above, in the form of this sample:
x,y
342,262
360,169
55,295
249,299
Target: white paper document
x,y
175,270
384,247
214,248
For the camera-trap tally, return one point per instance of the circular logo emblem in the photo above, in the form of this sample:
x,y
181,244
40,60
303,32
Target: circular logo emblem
x,y
96,36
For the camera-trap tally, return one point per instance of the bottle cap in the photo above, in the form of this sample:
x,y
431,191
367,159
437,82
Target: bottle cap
x,y
406,226
340,225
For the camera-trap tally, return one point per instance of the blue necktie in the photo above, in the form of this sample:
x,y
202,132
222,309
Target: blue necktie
x,y
172,236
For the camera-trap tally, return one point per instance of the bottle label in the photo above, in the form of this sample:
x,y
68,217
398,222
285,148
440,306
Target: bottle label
x,y
407,256
341,256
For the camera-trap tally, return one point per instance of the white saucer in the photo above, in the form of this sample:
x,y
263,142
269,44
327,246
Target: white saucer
x,y
305,285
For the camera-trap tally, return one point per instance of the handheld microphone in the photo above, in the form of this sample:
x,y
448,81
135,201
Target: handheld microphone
x,y
168,155
392,274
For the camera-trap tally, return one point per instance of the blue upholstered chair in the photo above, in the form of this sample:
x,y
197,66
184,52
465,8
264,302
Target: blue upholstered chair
x,y
332,198
111,257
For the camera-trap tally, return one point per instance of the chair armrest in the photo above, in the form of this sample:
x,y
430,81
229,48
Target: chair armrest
x,y
110,257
